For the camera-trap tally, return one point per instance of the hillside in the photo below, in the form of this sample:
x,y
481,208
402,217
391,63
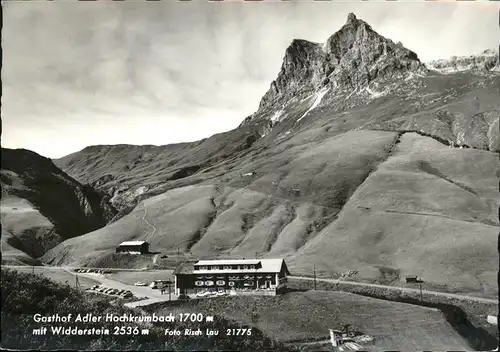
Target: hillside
x,y
358,159
308,316
41,206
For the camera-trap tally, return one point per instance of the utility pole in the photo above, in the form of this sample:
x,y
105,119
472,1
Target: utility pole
x,y
421,296
34,256
77,283
314,273
177,251
346,329
169,291
255,255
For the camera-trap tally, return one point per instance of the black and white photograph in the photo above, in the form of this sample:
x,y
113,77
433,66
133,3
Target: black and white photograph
x,y
250,175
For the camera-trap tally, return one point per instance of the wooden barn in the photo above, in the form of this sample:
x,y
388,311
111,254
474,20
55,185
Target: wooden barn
x,y
265,276
134,247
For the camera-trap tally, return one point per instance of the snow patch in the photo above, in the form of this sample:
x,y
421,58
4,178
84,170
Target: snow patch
x,y
413,75
319,97
374,94
277,115
140,190
354,91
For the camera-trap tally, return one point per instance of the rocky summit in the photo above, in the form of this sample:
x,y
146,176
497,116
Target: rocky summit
x,y
361,162
352,58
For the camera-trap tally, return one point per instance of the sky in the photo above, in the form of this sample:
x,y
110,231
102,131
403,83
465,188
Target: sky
x,y
77,74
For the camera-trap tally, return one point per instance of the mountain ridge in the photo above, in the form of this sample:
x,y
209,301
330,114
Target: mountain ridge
x,y
487,60
42,206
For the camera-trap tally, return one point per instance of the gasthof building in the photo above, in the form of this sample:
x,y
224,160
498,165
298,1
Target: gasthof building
x,y
265,276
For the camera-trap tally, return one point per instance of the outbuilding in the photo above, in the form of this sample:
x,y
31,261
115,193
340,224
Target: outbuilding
x,y
133,247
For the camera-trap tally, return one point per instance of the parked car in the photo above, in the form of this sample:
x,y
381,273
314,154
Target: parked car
x,y
127,294
140,283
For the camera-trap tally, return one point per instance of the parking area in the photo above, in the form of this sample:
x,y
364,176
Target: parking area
x,y
92,271
121,293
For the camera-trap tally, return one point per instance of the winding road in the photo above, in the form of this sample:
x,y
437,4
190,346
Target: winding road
x,y
156,296
401,289
147,223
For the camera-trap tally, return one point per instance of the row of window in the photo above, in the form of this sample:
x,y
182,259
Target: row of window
x,y
220,283
230,283
227,267
246,277
211,283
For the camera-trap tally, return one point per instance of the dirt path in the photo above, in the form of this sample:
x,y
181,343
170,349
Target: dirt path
x,y
147,223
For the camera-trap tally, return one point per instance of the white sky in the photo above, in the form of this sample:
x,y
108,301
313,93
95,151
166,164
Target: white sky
x,y
86,73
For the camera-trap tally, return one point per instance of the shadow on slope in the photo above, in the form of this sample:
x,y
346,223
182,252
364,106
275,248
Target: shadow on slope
x,y
72,209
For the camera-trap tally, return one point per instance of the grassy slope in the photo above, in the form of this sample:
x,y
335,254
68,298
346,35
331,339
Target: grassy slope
x,y
205,218
309,315
424,210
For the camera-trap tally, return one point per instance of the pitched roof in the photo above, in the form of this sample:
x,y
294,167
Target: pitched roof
x,y
268,266
229,262
132,243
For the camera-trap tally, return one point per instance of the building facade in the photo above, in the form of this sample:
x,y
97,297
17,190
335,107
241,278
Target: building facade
x,y
133,247
244,275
